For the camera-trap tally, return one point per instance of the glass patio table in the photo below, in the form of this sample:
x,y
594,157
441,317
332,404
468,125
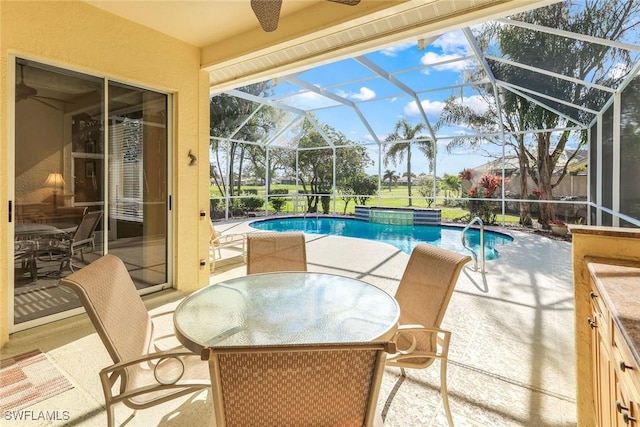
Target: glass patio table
x,y
285,308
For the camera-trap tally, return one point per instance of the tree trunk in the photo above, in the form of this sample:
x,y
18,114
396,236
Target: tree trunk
x,y
409,172
230,171
546,208
525,213
240,164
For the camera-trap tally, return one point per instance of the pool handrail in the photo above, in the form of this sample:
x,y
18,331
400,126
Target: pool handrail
x,y
464,242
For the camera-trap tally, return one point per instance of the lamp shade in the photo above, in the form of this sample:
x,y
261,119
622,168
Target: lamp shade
x,y
54,180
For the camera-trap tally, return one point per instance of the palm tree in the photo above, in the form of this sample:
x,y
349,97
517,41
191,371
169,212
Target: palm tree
x,y
390,177
408,134
451,183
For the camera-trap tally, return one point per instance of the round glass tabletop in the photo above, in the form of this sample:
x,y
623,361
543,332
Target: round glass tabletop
x,y
285,308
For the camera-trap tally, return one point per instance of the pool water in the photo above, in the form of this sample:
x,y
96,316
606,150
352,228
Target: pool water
x,y
403,237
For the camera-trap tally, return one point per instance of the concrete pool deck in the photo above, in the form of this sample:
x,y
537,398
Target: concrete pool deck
x,y
511,356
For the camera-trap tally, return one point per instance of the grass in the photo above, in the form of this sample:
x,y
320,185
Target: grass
x,y
396,197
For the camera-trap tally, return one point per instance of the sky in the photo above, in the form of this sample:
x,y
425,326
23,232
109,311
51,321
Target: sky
x,y
432,68
383,104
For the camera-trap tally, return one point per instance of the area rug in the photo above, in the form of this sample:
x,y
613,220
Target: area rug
x,y
27,379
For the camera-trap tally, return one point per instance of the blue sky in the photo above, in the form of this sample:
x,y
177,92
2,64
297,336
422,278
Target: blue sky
x,y
434,72
433,68
383,103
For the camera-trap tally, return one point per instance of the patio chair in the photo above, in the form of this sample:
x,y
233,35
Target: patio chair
x,y
217,241
297,385
274,251
423,295
83,239
147,377
24,252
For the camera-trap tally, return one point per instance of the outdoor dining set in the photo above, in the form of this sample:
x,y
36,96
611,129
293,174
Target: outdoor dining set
x,y
38,242
279,346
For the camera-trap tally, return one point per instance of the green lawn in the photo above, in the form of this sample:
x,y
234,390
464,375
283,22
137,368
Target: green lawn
x,y
396,197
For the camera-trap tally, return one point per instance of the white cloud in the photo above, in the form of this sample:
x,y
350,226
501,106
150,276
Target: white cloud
x,y
393,50
342,93
308,100
434,58
431,108
476,102
618,71
365,94
453,41
452,45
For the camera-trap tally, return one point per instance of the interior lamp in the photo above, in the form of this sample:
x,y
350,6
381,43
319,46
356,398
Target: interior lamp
x,y
55,181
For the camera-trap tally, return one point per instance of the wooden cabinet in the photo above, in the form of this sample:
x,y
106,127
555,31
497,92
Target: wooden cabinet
x,y
601,356
615,368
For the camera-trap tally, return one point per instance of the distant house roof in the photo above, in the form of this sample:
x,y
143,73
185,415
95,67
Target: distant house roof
x,y
512,165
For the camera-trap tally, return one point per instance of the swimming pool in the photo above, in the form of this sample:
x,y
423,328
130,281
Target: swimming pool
x,y
403,237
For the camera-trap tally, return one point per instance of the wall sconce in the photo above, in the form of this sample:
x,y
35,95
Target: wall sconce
x,y
55,181
193,160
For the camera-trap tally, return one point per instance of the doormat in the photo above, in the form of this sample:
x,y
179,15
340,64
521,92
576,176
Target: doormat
x,y
27,379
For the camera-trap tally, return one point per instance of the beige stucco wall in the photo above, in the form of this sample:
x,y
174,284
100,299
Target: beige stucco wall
x,y
83,38
604,242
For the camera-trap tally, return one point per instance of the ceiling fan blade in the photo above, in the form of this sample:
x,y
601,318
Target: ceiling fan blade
x,y
52,99
267,12
346,2
45,103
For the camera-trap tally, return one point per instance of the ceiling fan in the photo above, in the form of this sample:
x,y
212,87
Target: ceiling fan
x,y
23,91
268,11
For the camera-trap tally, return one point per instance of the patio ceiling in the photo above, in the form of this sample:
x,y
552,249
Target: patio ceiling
x,y
318,37
357,87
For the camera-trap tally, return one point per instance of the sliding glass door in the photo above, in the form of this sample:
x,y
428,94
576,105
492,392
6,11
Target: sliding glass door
x,y
86,149
138,182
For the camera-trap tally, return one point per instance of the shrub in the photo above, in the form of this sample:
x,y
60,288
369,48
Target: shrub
x,y
280,191
277,203
251,203
325,200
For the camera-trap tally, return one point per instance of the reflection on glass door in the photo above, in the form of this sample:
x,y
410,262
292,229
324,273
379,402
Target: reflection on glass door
x,y
72,166
58,117
138,182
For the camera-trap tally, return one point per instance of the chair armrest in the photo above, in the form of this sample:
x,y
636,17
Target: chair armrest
x,y
117,370
442,349
159,355
167,341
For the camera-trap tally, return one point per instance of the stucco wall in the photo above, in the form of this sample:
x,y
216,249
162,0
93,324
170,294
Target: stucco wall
x,y
83,38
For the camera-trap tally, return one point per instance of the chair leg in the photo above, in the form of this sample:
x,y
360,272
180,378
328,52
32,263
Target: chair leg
x,y
110,415
444,391
66,262
33,269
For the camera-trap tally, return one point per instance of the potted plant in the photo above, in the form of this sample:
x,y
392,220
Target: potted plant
x,y
559,228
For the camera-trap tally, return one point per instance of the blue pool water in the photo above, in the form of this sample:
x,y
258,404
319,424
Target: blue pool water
x,y
403,237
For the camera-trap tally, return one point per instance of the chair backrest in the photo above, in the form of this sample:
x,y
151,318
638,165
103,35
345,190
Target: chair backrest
x,y
116,310
297,385
87,227
427,284
212,231
273,251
